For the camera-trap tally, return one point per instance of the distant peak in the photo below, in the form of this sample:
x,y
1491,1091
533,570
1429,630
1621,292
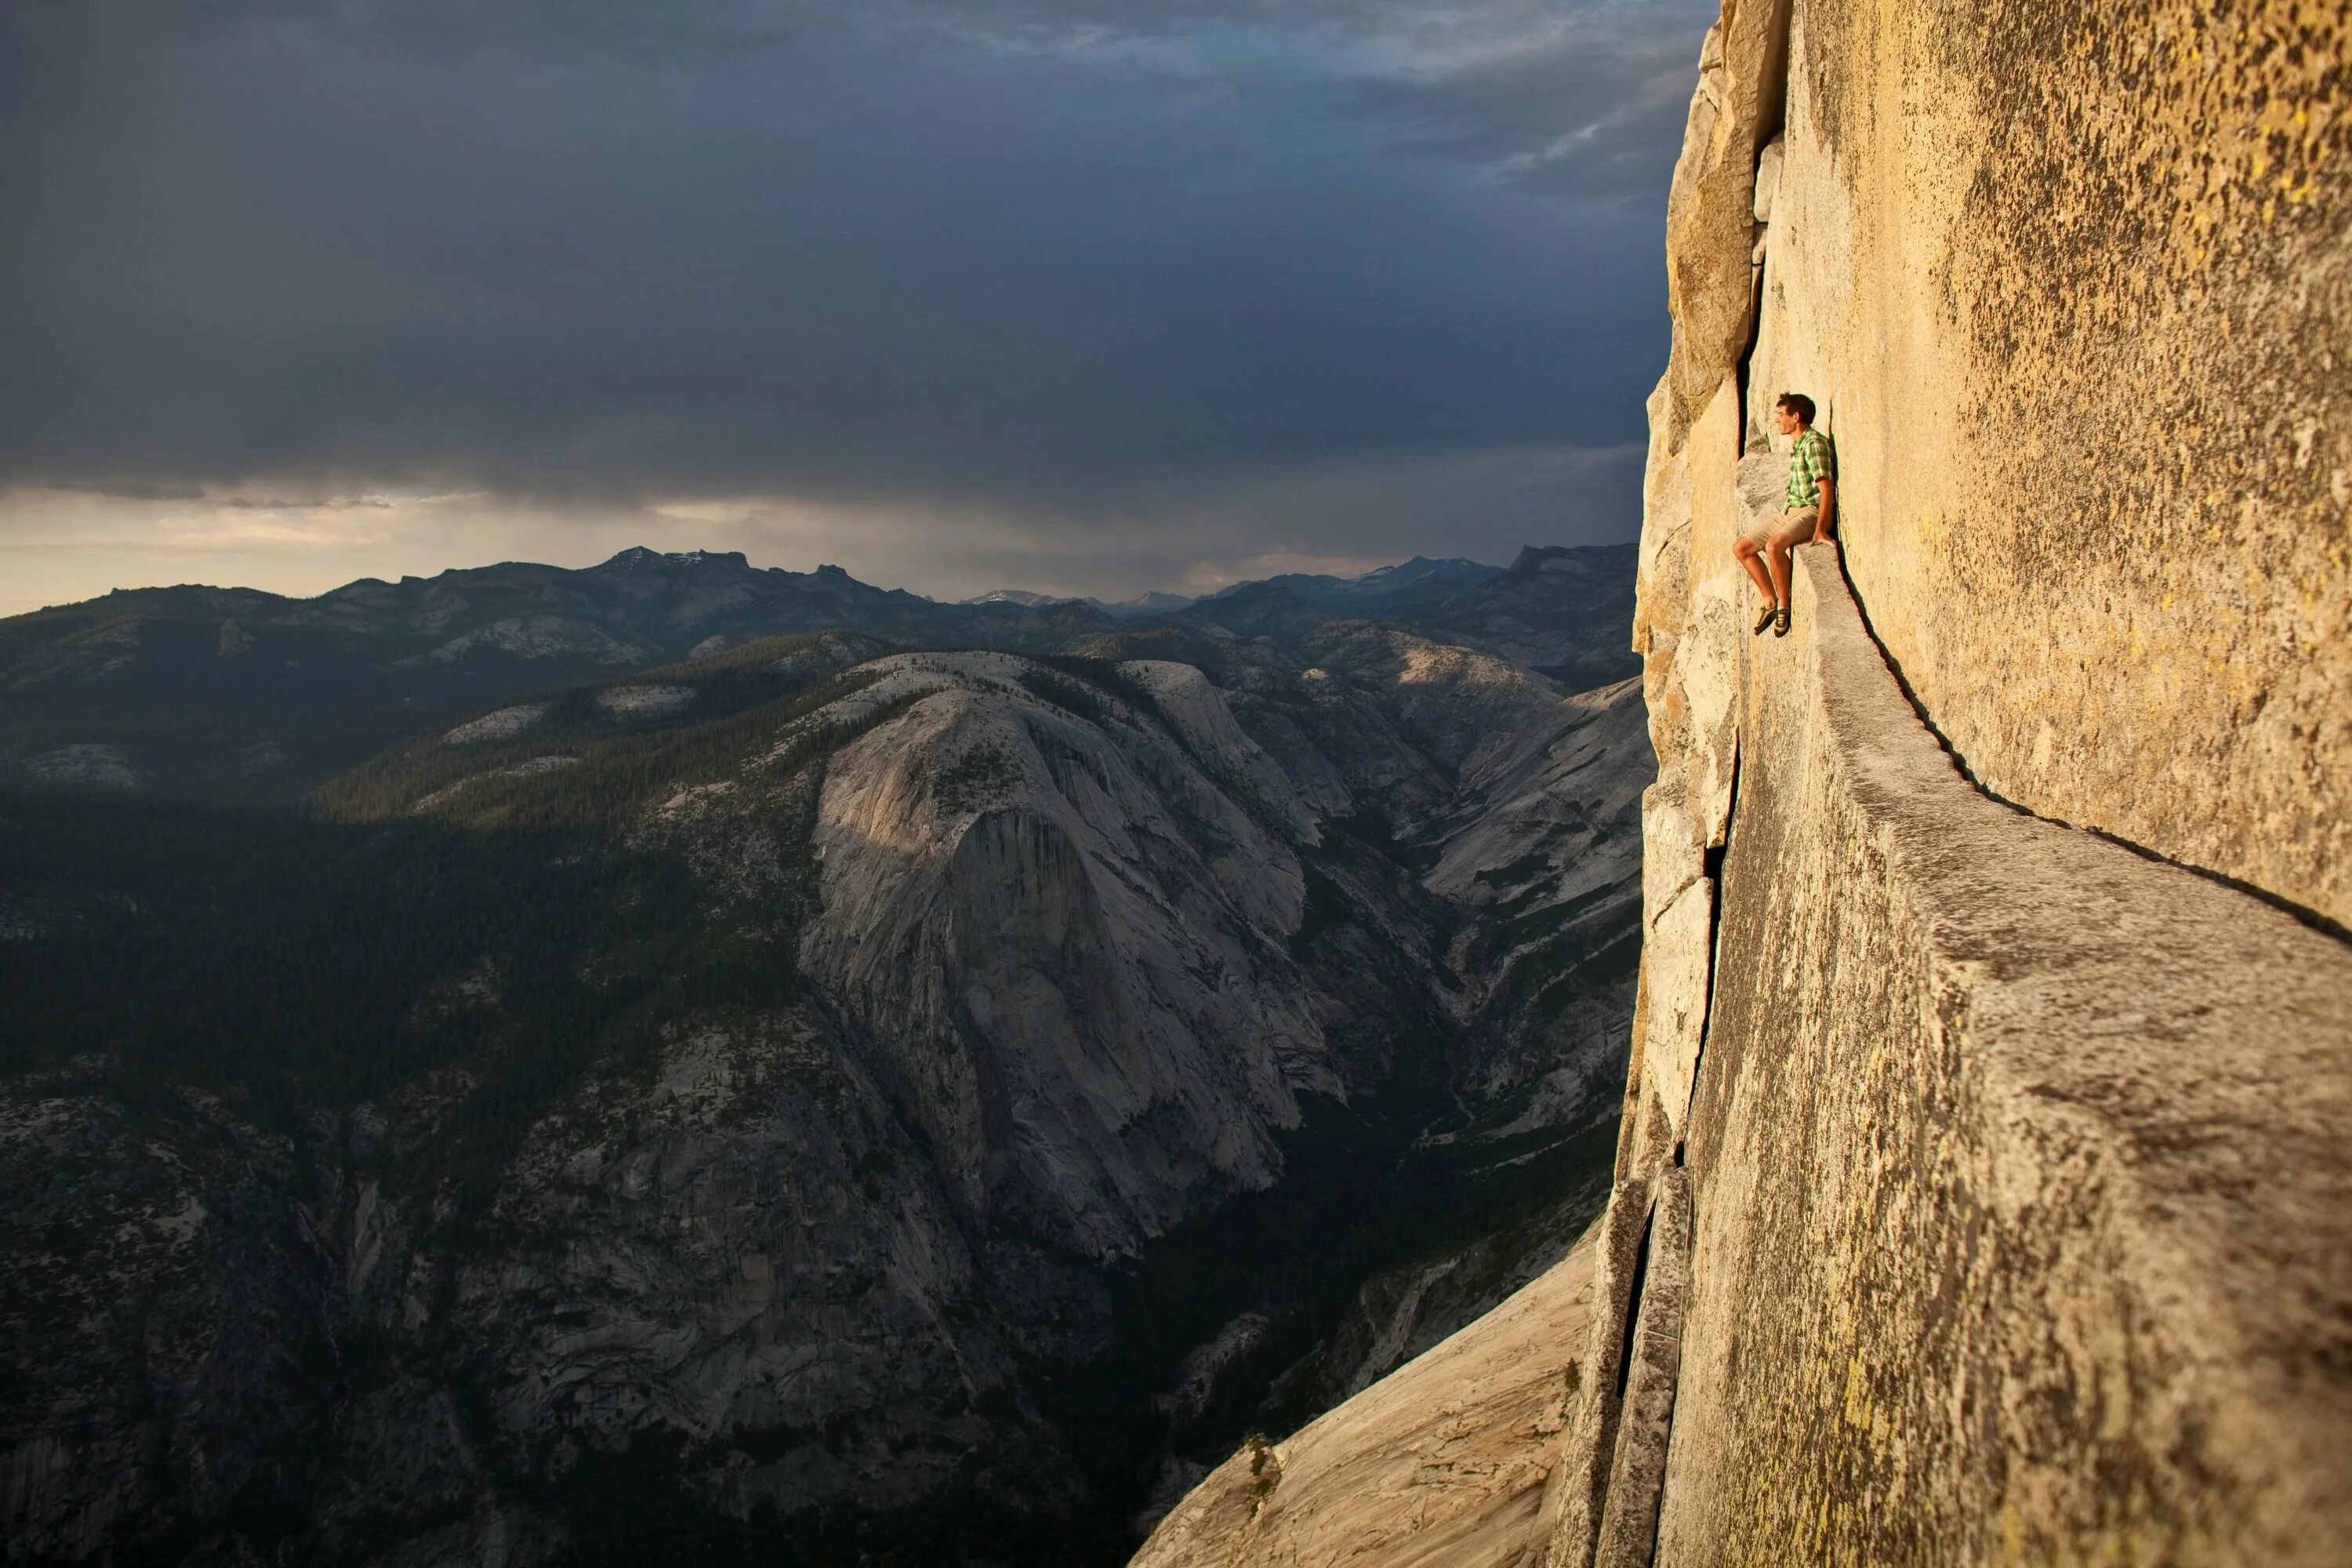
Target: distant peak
x,y
637,557
1421,566
1154,601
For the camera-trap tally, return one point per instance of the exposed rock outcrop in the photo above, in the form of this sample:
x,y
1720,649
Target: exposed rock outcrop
x,y
2016,1161
185,679
2006,1228
997,873
1985,1184
2073,288
1442,1465
105,767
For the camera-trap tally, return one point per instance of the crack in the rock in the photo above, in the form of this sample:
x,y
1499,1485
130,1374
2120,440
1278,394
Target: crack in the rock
x,y
2302,913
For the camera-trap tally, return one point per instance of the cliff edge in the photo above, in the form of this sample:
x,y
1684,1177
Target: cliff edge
x,y
1985,1187
1985,1178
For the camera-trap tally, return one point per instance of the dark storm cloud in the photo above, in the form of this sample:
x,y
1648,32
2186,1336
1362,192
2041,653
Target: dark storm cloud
x,y
129,490
1592,113
327,503
1054,258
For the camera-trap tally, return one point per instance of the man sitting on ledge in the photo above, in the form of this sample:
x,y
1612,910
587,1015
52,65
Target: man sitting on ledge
x,y
1811,511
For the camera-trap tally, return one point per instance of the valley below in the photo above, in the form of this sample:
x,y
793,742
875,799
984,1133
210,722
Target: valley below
x,y
673,1062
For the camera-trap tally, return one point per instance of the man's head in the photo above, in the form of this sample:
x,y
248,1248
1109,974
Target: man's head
x,y
1794,411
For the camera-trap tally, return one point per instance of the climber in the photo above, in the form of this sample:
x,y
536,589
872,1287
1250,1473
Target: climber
x,y
1810,516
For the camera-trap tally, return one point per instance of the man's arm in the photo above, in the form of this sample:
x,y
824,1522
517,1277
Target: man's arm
x,y
1829,510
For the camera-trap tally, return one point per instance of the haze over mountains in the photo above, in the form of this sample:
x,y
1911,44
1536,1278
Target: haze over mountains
x,y
680,1058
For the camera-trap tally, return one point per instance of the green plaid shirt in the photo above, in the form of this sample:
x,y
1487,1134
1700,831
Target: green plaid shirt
x,y
1813,460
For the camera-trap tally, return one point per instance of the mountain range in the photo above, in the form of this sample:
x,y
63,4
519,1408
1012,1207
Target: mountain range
x,y
675,1061
231,693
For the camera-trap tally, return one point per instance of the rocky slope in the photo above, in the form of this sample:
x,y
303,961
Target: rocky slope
x,y
809,1099
1443,1465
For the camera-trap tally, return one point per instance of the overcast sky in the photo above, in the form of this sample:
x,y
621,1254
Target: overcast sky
x,y
954,293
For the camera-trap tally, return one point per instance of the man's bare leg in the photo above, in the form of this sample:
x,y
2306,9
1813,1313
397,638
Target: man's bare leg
x,y
1746,550
1781,545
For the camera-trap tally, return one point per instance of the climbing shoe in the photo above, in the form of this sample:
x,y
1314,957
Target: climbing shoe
x,y
1780,621
1771,613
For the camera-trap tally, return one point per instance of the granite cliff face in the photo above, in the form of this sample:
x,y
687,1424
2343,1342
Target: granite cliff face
x,y
1989,1176
1441,1464
2070,285
1985,1184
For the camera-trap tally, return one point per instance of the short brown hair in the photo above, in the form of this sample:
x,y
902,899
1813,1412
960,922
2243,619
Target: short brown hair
x,y
1797,403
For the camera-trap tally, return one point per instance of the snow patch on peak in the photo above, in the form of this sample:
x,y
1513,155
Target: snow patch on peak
x,y
1023,597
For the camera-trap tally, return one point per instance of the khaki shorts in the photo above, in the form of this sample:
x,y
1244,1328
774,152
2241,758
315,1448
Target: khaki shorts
x,y
1796,526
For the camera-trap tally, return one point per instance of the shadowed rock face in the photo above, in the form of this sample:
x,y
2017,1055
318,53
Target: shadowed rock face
x,y
749,1111
1001,875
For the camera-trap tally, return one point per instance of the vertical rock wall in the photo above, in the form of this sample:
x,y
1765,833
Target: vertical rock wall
x,y
1985,1186
2072,287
